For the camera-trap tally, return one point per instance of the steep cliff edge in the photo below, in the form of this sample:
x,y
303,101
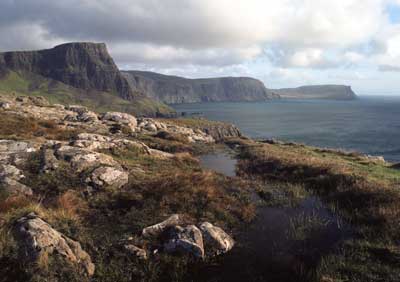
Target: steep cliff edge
x,y
81,65
328,92
79,72
174,89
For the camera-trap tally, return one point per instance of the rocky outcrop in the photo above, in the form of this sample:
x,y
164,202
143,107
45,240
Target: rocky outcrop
x,y
173,89
108,177
185,240
12,154
216,240
36,238
328,92
81,65
157,229
136,251
178,238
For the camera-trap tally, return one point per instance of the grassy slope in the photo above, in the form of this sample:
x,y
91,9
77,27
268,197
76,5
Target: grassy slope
x,y
57,92
101,221
363,192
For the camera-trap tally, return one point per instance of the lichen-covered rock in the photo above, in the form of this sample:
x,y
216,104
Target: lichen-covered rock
x,y
108,177
136,251
121,118
216,241
101,142
156,229
160,154
77,109
5,106
186,240
81,159
12,186
9,181
36,237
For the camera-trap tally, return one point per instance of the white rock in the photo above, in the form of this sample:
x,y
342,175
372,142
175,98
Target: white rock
x,y
216,241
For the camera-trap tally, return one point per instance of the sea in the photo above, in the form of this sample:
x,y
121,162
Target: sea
x,y
369,124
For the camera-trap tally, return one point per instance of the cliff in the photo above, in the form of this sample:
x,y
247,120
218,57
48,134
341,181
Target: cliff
x,y
329,92
174,89
81,65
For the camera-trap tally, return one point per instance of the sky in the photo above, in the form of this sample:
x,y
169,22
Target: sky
x,y
284,43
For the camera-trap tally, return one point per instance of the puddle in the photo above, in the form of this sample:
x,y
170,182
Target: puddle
x,y
221,162
282,244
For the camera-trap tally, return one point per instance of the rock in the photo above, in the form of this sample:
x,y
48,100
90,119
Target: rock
x,y
77,109
12,186
160,154
157,229
11,146
100,142
379,159
151,127
136,251
187,240
59,106
108,177
7,170
37,238
81,159
9,181
88,117
216,241
49,161
5,106
39,101
121,118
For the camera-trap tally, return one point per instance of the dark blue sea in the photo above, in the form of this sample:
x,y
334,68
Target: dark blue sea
x,y
370,125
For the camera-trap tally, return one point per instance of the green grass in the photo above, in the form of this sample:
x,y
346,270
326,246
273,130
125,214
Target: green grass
x,y
57,92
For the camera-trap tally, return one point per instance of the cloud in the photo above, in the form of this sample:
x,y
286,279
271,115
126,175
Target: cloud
x,y
216,32
285,42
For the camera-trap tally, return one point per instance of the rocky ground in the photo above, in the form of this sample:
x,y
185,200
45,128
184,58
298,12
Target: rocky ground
x,y
84,194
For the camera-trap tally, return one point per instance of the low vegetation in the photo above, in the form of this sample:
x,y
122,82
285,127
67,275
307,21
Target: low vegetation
x,y
103,220
363,191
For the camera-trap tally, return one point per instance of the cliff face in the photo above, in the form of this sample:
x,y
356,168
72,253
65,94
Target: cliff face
x,y
329,92
85,66
173,89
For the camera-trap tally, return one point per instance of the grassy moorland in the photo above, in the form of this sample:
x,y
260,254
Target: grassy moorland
x,y
157,188
363,191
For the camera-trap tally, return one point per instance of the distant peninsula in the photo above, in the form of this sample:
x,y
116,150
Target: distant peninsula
x,y
326,92
175,90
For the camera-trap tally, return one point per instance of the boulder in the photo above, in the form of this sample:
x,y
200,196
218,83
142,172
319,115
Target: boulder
x,y
159,228
136,251
9,181
12,186
87,117
36,238
160,154
11,146
48,160
7,170
77,109
186,240
81,159
121,118
100,142
216,241
151,127
5,105
108,177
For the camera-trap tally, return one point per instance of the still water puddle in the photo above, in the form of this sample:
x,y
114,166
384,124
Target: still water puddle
x,y
282,243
